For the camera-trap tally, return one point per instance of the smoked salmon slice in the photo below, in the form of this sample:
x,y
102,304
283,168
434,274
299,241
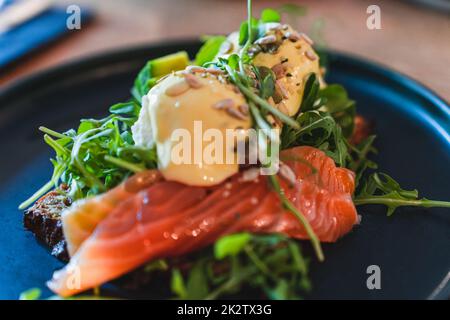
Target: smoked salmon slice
x,y
80,221
169,219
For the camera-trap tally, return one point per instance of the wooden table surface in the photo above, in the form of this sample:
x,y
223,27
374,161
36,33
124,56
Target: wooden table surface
x,y
413,40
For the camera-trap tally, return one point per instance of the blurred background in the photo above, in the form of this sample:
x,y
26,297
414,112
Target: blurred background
x,y
414,37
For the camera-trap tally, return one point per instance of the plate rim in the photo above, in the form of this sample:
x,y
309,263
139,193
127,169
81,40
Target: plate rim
x,y
117,53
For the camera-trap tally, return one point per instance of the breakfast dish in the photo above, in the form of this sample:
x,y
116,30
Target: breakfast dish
x,y
119,199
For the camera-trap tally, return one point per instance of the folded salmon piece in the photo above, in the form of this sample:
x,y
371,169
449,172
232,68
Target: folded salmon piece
x,y
169,219
83,216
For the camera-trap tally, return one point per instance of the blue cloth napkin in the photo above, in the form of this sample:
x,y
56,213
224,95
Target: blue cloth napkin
x,y
5,3
35,33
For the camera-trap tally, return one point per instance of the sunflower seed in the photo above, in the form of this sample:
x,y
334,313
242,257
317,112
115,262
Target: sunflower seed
x,y
271,120
266,40
192,81
243,108
274,121
282,107
306,38
279,70
195,69
251,74
310,55
223,104
275,27
177,89
214,71
253,50
235,113
279,87
292,36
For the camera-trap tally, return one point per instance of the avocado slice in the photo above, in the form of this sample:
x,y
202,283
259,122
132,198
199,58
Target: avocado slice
x,y
164,65
155,69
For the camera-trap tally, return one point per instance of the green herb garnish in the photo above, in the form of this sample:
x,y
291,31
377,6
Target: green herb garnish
x,y
272,264
382,189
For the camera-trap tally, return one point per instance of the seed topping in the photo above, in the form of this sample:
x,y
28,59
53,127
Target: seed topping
x,y
177,89
223,104
310,55
267,40
192,81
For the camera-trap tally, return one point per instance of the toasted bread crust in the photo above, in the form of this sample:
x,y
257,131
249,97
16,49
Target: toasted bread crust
x,y
43,219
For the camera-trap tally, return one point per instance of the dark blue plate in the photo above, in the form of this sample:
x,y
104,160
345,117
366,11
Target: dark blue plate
x,y
412,124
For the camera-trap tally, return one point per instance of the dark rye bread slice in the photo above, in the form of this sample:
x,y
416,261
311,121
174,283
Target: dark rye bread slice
x,y
43,219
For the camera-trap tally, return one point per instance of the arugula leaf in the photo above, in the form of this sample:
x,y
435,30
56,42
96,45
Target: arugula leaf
x,y
326,119
336,102
315,128
380,188
360,161
209,50
130,108
320,130
310,95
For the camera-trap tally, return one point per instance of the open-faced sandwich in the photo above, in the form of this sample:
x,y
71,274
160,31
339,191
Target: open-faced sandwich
x,y
211,173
